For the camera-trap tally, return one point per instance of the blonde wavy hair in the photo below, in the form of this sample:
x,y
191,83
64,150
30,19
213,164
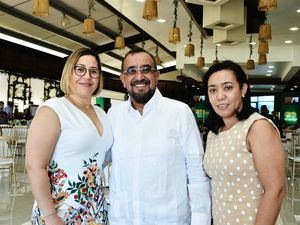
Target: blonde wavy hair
x,y
69,67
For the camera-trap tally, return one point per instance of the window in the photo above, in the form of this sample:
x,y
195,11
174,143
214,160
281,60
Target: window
x,y
258,101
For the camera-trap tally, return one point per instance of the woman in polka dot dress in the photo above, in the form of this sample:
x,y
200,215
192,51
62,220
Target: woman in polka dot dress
x,y
244,156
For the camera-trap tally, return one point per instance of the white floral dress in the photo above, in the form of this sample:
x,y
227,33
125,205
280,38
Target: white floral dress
x,y
74,169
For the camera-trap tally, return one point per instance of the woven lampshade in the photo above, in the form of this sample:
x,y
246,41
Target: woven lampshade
x,y
150,10
89,26
215,61
174,35
262,59
267,5
157,60
200,62
41,8
264,32
250,64
189,50
120,43
263,47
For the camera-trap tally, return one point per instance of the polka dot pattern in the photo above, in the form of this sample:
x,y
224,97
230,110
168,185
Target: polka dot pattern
x,y
236,190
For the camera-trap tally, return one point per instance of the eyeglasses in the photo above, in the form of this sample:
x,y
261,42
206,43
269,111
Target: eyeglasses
x,y
143,70
81,71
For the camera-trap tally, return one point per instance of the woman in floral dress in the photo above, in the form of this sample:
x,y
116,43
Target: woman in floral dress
x,y
66,145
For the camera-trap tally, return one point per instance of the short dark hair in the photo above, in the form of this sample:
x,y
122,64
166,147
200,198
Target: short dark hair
x,y
214,121
135,51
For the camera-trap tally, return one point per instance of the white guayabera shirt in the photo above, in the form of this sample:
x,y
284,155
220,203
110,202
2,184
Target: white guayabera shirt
x,y
157,176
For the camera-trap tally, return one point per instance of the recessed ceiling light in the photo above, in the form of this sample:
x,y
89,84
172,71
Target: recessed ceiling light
x,y
218,45
205,68
251,86
288,42
193,85
268,74
271,67
272,89
140,0
298,11
161,20
269,71
292,89
253,43
294,28
295,86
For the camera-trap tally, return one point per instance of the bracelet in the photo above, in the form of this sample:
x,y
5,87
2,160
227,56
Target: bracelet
x,y
51,214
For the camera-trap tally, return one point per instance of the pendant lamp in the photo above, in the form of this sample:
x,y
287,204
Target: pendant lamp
x,y
174,33
150,10
120,41
262,59
201,59
89,26
267,5
264,32
250,62
263,47
189,48
216,60
65,21
41,8
89,23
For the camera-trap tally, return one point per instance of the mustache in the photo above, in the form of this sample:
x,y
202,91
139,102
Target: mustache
x,y
137,82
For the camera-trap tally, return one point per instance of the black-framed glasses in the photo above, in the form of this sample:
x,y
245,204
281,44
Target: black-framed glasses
x,y
143,70
81,71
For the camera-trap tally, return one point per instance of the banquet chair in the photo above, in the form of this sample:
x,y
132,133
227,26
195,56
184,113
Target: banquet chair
x,y
20,135
294,161
5,129
5,134
7,162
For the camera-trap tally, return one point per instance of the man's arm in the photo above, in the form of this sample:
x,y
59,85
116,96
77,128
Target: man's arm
x,y
198,182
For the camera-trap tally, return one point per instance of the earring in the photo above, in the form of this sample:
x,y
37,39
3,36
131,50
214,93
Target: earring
x,y
243,95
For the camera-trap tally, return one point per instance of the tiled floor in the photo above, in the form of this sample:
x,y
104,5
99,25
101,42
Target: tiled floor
x,y
21,203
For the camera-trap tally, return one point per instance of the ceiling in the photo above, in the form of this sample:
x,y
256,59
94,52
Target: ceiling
x,y
17,20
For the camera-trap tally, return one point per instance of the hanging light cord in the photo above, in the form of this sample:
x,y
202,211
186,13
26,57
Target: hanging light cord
x,y
91,6
190,30
216,52
175,2
120,25
156,51
201,45
251,47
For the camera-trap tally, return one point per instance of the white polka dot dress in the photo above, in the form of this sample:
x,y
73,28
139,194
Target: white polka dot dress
x,y
236,189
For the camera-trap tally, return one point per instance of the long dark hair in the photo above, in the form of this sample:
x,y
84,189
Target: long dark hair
x,y
214,121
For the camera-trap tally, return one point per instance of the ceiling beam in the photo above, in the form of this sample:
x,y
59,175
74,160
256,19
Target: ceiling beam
x,y
114,55
72,12
34,40
146,35
37,22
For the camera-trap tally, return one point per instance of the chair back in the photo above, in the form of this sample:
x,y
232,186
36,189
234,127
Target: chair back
x,y
5,130
19,132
